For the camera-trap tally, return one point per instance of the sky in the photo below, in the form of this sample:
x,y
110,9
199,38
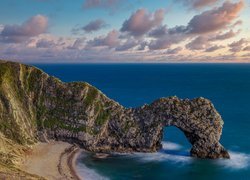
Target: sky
x,y
121,31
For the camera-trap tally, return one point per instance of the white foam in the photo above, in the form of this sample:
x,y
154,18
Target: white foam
x,y
163,155
170,146
237,161
87,173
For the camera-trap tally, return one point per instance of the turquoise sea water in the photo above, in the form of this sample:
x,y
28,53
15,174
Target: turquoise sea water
x,y
132,85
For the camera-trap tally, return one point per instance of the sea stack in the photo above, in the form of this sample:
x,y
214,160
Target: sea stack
x,y
37,107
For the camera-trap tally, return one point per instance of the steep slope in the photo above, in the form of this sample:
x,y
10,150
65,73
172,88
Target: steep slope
x,y
11,156
37,107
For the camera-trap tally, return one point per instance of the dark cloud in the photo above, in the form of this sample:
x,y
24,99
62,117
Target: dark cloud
x,y
178,30
94,25
158,32
226,35
130,43
18,33
237,45
165,41
111,40
142,22
142,46
198,43
214,48
197,4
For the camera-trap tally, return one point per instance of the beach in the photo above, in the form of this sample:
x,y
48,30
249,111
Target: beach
x,y
53,160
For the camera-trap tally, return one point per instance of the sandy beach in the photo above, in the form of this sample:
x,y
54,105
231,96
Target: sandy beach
x,y
53,160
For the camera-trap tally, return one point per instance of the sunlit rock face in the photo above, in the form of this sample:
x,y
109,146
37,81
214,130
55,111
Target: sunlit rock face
x,y
35,106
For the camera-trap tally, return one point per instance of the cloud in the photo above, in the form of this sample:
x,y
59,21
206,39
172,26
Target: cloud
x,y
78,44
158,31
142,46
174,51
165,41
142,37
237,45
130,43
45,43
247,48
142,22
36,25
226,35
92,26
197,4
215,19
53,42
246,56
100,3
111,40
1,27
207,22
237,23
198,43
214,48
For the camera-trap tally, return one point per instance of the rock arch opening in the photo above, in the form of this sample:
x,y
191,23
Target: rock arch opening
x,y
175,142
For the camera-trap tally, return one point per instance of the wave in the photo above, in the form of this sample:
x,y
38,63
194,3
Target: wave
x,y
169,152
166,145
237,161
88,173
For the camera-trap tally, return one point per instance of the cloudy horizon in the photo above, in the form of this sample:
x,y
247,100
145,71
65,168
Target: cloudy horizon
x,y
116,31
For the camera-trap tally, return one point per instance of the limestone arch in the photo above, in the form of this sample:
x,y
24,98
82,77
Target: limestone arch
x,y
197,119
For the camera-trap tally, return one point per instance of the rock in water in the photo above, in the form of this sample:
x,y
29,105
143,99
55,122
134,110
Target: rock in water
x,y
36,106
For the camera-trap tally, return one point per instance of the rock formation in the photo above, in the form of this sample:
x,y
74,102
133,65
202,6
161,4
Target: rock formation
x,y
37,107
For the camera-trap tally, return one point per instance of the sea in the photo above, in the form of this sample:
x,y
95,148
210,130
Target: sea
x,y
133,85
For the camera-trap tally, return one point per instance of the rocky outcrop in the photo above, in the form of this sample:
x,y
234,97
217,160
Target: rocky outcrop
x,y
35,106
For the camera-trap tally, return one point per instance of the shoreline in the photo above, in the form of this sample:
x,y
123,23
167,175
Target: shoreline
x,y
52,160
72,163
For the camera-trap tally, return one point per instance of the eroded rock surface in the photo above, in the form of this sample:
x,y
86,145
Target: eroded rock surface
x,y
35,106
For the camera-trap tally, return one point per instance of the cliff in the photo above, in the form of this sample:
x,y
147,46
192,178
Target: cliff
x,y
37,107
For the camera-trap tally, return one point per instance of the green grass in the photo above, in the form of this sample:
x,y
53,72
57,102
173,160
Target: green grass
x,y
102,117
6,73
92,93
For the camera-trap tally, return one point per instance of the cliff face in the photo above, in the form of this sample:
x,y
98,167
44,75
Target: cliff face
x,y
35,106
